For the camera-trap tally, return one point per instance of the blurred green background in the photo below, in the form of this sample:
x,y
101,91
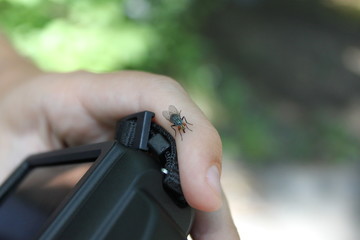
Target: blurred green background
x,y
279,79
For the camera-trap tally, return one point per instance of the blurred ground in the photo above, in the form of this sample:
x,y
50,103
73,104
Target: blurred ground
x,y
301,61
293,202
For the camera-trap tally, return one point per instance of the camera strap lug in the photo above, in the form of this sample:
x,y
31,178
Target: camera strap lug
x,y
139,132
133,131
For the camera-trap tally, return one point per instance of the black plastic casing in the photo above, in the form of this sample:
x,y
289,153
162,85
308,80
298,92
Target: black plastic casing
x,y
121,196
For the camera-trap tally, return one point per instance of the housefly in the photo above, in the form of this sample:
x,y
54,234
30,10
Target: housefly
x,y
174,116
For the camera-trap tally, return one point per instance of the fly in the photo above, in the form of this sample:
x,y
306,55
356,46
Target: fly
x,y
174,116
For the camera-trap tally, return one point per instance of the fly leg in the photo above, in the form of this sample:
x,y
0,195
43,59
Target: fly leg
x,y
184,118
180,135
172,126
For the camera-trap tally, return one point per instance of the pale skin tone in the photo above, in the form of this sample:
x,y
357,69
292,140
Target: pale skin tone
x,y
46,111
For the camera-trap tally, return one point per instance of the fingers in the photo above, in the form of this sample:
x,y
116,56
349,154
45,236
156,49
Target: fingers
x,y
214,225
109,97
200,150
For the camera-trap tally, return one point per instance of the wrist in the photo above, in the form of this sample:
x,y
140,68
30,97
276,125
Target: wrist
x,y
14,68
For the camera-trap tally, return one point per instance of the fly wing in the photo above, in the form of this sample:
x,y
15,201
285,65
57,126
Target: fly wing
x,y
173,110
166,115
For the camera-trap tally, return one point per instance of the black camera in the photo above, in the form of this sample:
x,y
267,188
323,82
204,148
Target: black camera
x,y
128,188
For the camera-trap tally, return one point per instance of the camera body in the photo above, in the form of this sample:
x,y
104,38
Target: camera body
x,y
99,191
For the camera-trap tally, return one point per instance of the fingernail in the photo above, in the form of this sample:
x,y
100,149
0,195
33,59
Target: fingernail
x,y
213,178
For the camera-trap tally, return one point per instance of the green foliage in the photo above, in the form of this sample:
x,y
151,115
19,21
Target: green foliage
x,y
70,35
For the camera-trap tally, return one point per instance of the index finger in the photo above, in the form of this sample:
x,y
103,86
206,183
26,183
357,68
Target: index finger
x,y
199,153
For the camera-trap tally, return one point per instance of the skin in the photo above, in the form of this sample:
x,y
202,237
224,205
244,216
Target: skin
x,y
46,111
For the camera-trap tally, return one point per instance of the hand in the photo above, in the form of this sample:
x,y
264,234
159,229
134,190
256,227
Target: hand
x,y
53,111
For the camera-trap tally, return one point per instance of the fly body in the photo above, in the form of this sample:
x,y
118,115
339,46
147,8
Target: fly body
x,y
178,121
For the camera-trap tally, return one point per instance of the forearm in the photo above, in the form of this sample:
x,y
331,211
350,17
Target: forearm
x,y
14,68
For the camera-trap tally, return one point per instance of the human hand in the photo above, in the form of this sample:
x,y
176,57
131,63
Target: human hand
x,y
52,111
